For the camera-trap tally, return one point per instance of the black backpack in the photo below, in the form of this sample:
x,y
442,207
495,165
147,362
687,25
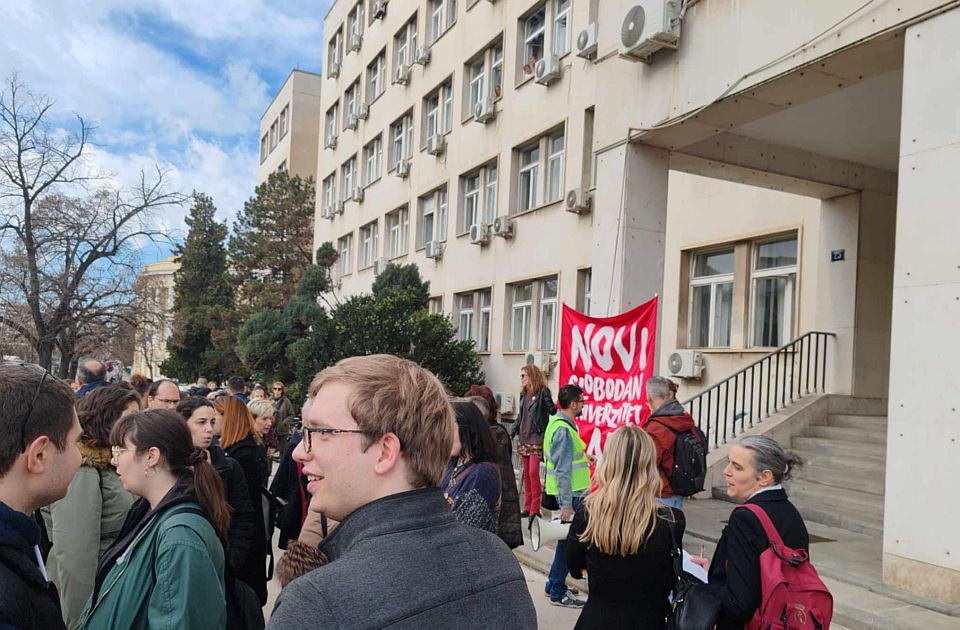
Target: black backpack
x,y
689,461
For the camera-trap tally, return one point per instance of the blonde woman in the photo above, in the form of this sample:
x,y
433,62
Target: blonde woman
x,y
536,407
621,539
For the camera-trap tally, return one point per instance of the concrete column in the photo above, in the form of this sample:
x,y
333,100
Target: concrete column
x,y
629,226
921,548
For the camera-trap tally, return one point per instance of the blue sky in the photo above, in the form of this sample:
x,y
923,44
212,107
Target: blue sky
x,y
175,83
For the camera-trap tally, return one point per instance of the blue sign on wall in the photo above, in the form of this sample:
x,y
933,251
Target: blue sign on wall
x,y
837,254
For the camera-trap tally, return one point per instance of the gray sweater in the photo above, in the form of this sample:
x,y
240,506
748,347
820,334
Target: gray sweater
x,y
405,562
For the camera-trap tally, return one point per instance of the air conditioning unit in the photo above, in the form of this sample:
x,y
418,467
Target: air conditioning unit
x,y
436,144
327,213
352,121
402,75
587,42
503,226
648,27
363,112
434,250
355,41
357,194
685,364
422,56
547,69
379,9
578,201
338,208
479,234
403,168
505,403
380,265
543,360
331,143
484,111
333,70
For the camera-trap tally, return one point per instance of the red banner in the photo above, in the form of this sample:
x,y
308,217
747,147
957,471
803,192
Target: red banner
x,y
611,358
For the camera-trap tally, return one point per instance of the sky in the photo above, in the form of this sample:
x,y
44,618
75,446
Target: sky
x,y
179,84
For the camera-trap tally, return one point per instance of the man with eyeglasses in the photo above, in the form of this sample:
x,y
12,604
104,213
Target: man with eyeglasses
x,y
39,456
377,434
163,394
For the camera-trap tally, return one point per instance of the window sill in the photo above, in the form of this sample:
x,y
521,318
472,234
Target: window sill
x,y
377,98
372,182
536,208
751,350
518,353
403,255
446,29
526,78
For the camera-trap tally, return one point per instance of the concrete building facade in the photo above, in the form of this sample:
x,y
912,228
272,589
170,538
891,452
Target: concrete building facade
x,y
155,292
767,168
290,126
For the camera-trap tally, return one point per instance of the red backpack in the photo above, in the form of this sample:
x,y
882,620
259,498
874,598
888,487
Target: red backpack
x,y
793,595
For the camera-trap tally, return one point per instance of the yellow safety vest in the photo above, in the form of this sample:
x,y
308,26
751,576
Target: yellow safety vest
x,y
580,475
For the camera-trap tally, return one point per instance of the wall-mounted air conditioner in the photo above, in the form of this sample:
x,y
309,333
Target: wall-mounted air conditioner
x,y
503,226
547,69
578,201
587,42
434,250
479,234
685,364
648,27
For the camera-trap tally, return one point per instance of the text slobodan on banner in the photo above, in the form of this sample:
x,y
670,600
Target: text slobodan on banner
x,y
611,358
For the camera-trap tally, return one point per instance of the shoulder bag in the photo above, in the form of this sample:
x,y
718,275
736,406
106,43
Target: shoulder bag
x,y
694,607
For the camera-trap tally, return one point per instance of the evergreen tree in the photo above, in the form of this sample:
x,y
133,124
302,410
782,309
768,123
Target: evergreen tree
x,y
203,311
272,242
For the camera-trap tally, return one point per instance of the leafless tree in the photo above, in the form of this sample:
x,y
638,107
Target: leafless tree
x,y
68,241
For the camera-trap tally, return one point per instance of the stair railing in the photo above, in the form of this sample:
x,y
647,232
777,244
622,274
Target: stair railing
x,y
762,388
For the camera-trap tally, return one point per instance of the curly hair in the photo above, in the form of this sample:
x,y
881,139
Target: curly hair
x,y
100,409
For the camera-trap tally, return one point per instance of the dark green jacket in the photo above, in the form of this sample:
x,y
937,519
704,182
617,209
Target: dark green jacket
x,y
171,576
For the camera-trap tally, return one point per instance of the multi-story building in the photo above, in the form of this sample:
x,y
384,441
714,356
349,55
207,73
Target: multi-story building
x,y
155,290
754,163
290,127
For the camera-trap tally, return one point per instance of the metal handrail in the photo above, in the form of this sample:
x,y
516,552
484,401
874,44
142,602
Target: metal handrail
x,y
720,417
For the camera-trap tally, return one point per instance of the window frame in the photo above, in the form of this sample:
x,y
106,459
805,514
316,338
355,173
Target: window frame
x,y
792,275
328,188
526,60
714,282
405,44
485,195
441,16
561,15
397,232
331,123
541,178
344,247
348,169
351,100
335,51
284,121
369,245
439,200
264,147
438,104
355,26
374,150
377,77
525,308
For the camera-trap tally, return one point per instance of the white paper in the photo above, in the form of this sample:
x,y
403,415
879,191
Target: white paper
x,y
694,569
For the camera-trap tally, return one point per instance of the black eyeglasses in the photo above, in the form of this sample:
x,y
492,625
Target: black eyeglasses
x,y
33,401
324,432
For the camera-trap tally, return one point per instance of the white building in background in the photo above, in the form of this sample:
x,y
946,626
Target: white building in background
x,y
155,293
290,126
755,163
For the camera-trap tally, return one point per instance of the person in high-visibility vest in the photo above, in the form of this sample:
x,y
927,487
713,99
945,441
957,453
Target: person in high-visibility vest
x,y
567,478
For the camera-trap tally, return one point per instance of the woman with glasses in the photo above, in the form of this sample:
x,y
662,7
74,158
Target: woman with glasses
x,y
536,407
83,524
622,539
471,483
241,441
166,568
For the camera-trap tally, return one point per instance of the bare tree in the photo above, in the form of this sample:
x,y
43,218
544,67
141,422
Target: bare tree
x,y
68,241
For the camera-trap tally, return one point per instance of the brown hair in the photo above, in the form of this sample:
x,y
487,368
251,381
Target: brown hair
x,y
486,394
51,415
536,380
167,431
237,421
394,395
140,383
100,409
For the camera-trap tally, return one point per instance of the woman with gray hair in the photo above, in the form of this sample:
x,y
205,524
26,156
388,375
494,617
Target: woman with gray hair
x,y
757,468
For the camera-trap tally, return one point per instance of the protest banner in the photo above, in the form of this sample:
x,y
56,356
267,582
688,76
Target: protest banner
x,y
611,358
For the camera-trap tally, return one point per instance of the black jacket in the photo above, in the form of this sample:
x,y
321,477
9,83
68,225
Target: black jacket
x,y
290,484
626,592
252,458
510,524
543,408
27,600
735,568
241,511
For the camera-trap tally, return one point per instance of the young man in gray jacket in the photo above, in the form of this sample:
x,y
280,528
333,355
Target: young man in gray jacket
x,y
377,433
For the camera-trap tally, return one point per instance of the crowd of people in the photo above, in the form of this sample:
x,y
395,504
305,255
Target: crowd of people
x,y
141,505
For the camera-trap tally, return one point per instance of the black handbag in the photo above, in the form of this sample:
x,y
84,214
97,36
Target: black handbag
x,y
549,502
694,607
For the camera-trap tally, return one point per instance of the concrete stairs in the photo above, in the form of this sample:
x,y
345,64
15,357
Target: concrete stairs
x,y
842,481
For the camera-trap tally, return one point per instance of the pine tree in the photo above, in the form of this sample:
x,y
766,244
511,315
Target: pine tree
x,y
272,242
203,311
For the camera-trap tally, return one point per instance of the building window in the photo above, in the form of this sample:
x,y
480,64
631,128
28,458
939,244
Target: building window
x,y
589,165
474,317
531,190
485,77
477,75
344,246
282,167
479,201
533,38
521,305
438,105
273,136
372,158
368,245
348,178
584,287
443,14
547,321
405,44
561,26
330,125
401,140
329,190
377,77
433,217
334,53
355,27
435,305
711,299
464,303
284,116
483,329
774,285
263,147
351,99
398,231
